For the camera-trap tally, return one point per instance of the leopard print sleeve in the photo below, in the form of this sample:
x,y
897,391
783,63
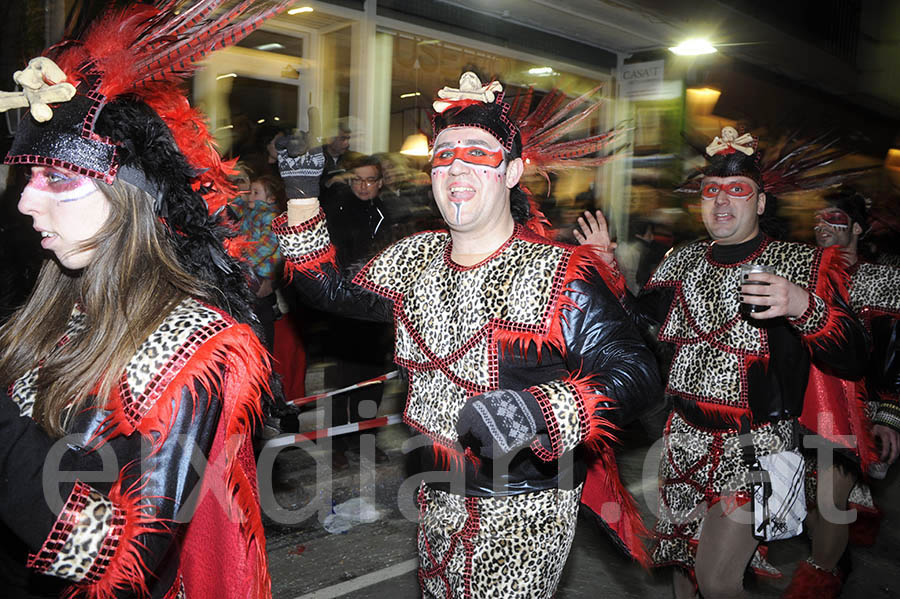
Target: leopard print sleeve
x,y
83,539
613,378
109,537
306,247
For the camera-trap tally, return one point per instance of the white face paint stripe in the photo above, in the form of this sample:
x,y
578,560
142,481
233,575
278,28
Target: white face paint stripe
x,y
85,188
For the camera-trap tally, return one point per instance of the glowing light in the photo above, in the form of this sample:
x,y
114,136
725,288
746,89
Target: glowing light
x,y
260,121
541,71
415,145
693,47
275,118
226,75
300,9
410,95
701,100
269,47
892,161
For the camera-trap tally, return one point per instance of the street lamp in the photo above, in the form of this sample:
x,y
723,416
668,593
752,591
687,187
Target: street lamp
x,y
693,47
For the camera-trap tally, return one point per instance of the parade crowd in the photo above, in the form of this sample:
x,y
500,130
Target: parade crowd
x,y
181,295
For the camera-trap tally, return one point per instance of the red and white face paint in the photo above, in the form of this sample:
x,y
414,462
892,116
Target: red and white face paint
x,y
736,190
67,209
730,208
469,178
832,228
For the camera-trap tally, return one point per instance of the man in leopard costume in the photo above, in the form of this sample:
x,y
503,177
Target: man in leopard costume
x,y
520,361
736,380
850,416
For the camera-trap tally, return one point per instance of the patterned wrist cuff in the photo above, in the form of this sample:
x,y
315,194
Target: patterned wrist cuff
x,y
813,319
83,539
887,414
306,242
560,408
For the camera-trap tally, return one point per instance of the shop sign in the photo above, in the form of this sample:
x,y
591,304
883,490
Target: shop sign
x,y
642,80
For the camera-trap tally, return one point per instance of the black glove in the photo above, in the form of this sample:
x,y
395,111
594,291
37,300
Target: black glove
x,y
498,423
300,166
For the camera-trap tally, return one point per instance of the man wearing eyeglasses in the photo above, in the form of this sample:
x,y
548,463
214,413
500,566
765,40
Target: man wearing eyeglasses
x,y
359,228
357,220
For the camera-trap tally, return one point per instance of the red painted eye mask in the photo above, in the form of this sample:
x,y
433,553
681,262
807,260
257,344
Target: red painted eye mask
x,y
738,190
470,154
835,218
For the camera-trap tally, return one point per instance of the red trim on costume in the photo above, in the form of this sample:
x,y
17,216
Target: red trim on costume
x,y
577,265
463,536
238,352
829,275
62,529
556,449
120,564
35,160
596,430
312,264
602,489
126,567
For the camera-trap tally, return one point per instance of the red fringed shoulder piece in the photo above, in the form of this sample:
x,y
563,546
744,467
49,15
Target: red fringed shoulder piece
x,y
580,264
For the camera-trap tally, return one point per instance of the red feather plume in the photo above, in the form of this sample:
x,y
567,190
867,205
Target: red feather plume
x,y
147,50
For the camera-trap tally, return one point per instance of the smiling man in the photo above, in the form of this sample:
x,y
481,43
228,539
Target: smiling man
x,y
518,354
735,380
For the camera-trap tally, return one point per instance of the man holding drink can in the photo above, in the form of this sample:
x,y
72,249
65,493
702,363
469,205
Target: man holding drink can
x,y
738,376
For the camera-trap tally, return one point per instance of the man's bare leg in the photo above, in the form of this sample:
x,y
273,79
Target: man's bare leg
x,y
725,548
829,539
682,585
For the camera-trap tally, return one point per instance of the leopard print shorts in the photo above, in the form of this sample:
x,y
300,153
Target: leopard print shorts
x,y
511,547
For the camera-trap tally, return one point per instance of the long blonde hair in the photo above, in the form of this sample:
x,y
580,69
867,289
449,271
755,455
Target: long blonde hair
x,y
132,282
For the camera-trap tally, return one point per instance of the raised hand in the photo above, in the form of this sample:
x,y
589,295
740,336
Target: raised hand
x,y
594,231
300,166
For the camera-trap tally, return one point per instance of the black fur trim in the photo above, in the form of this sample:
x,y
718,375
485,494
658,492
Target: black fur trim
x,y
147,145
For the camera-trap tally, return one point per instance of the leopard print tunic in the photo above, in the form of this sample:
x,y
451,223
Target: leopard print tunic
x,y
447,316
713,342
714,345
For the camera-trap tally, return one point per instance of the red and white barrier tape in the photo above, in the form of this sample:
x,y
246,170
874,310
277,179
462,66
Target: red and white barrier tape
x,y
375,381
335,431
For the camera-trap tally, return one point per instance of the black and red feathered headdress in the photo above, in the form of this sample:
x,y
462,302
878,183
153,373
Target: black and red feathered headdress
x,y
538,136
108,105
792,165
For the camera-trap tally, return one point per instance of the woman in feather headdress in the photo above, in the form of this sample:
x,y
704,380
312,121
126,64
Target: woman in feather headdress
x,y
134,356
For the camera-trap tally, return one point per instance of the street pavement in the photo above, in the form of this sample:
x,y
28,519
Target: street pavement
x,y
377,559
